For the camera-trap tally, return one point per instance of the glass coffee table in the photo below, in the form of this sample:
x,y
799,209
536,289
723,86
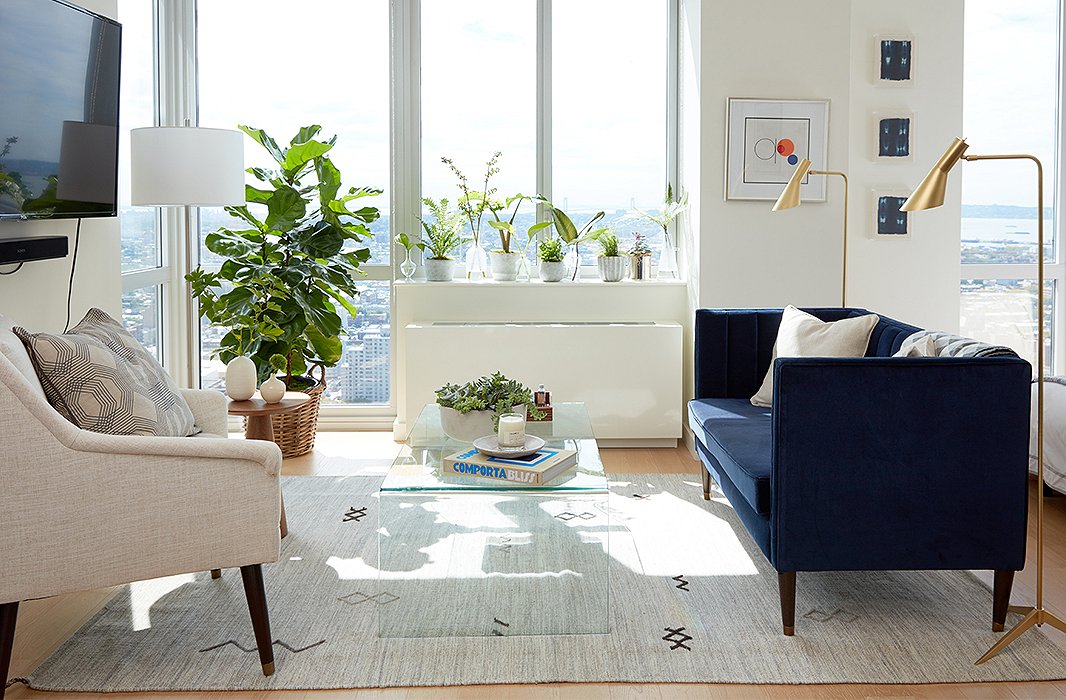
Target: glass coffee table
x,y
462,556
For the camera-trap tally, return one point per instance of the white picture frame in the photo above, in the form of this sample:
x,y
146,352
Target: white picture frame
x,y
896,145
763,136
895,60
887,225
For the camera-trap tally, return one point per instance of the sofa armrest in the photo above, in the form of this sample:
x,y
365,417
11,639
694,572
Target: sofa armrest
x,y
208,409
899,463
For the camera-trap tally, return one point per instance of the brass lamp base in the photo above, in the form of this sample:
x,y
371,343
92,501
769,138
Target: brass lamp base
x,y
1035,618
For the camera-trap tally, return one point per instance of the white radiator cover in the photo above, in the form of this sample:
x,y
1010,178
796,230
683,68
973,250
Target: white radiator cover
x,y
629,374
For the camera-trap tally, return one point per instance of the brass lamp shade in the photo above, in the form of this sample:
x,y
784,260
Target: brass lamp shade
x,y
790,196
929,193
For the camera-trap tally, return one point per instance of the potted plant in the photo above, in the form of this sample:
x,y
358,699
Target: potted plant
x,y
472,205
671,209
639,258
473,410
442,238
288,269
612,265
407,267
551,254
505,260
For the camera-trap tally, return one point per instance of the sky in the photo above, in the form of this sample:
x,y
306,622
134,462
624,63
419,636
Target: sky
x,y
1010,94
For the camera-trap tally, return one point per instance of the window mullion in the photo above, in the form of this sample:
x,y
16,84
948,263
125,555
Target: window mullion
x,y
544,104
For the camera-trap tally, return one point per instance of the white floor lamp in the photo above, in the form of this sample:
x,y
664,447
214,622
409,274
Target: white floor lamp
x,y
184,166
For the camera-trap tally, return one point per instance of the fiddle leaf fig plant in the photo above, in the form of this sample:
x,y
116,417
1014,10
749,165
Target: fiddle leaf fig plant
x,y
290,261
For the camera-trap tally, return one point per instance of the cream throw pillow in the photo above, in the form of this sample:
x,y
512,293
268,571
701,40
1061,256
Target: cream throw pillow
x,y
803,335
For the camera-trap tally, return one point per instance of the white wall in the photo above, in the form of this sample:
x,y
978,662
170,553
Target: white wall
x,y
37,295
822,49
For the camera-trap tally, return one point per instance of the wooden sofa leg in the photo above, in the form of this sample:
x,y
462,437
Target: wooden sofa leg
x,y
8,614
786,585
257,606
1004,580
706,483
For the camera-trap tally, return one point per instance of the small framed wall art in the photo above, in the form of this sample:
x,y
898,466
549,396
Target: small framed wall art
x,y
895,59
889,221
893,135
766,139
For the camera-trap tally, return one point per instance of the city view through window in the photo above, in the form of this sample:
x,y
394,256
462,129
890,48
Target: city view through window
x,y
999,213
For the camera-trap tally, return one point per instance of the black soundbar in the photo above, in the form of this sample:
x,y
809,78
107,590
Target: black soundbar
x,y
19,250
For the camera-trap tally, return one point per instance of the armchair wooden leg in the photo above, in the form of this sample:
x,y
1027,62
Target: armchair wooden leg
x,y
8,614
706,483
216,573
786,585
1004,581
257,606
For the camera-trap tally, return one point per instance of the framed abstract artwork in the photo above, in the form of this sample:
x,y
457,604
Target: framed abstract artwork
x,y
893,135
766,139
895,62
889,221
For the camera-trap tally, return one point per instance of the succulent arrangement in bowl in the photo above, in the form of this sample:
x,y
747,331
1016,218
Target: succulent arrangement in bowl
x,y
472,410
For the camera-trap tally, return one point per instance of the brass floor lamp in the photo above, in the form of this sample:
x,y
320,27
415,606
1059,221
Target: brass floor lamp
x,y
790,198
930,194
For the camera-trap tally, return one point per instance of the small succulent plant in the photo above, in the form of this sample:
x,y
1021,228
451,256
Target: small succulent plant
x,y
640,246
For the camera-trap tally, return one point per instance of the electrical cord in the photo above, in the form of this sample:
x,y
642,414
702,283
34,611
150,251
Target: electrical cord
x,y
73,266
11,272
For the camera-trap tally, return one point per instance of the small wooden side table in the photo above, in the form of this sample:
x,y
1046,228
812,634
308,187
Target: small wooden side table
x,y
258,413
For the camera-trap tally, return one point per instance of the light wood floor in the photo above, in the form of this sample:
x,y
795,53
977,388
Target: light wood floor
x,y
45,624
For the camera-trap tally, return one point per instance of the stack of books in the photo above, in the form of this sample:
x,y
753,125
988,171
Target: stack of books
x,y
535,470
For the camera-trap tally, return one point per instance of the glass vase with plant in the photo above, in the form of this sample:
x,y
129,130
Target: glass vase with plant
x,y
671,209
472,205
570,234
611,264
407,267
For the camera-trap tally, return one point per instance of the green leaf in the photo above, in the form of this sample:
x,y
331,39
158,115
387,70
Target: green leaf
x,y
329,349
502,226
538,227
257,196
265,141
329,180
319,311
300,154
563,224
323,241
305,134
228,245
339,298
284,209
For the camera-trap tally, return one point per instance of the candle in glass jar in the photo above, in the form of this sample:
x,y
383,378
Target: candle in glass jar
x,y
512,430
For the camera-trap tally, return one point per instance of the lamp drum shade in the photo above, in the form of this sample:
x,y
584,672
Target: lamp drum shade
x,y
187,166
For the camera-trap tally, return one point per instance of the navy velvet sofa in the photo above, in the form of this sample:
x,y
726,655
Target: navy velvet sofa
x,y
872,463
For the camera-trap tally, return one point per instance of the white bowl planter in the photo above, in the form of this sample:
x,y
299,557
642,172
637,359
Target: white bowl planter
x,y
439,270
612,267
552,271
504,265
466,427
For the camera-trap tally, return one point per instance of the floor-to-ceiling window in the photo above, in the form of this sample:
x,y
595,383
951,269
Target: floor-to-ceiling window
x,y
144,272
1013,95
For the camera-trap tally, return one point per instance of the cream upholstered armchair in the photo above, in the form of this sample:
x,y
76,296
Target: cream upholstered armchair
x,y
81,510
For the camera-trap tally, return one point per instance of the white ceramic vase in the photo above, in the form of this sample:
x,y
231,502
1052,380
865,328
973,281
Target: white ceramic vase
x,y
272,390
240,378
612,267
439,270
552,271
504,265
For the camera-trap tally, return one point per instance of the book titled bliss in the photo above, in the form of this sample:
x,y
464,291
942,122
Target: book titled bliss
x,y
535,470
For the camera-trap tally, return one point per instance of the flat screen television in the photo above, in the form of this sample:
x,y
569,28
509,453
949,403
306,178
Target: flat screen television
x,y
59,92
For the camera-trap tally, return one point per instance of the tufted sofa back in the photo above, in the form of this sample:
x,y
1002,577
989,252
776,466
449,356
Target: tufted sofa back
x,y
734,347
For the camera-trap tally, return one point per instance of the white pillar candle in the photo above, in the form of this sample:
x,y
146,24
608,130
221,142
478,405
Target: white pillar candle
x,y
512,430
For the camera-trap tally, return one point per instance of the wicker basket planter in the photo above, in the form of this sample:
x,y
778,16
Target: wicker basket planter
x,y
294,431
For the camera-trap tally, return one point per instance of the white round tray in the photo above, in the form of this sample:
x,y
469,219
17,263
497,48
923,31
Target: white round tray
x,y
490,445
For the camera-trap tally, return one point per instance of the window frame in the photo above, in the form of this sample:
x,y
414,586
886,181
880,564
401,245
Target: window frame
x,y
177,71
1054,270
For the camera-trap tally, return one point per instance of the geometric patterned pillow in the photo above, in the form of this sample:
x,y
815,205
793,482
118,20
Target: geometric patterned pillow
x,y
100,378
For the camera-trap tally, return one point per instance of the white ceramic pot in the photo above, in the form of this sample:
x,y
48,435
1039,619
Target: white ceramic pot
x,y
612,267
466,427
504,265
552,271
240,378
439,270
272,390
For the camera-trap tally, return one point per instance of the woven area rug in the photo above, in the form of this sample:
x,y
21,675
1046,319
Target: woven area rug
x,y
691,600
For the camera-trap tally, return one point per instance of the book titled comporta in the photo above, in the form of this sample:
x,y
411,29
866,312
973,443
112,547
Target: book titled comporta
x,y
535,470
